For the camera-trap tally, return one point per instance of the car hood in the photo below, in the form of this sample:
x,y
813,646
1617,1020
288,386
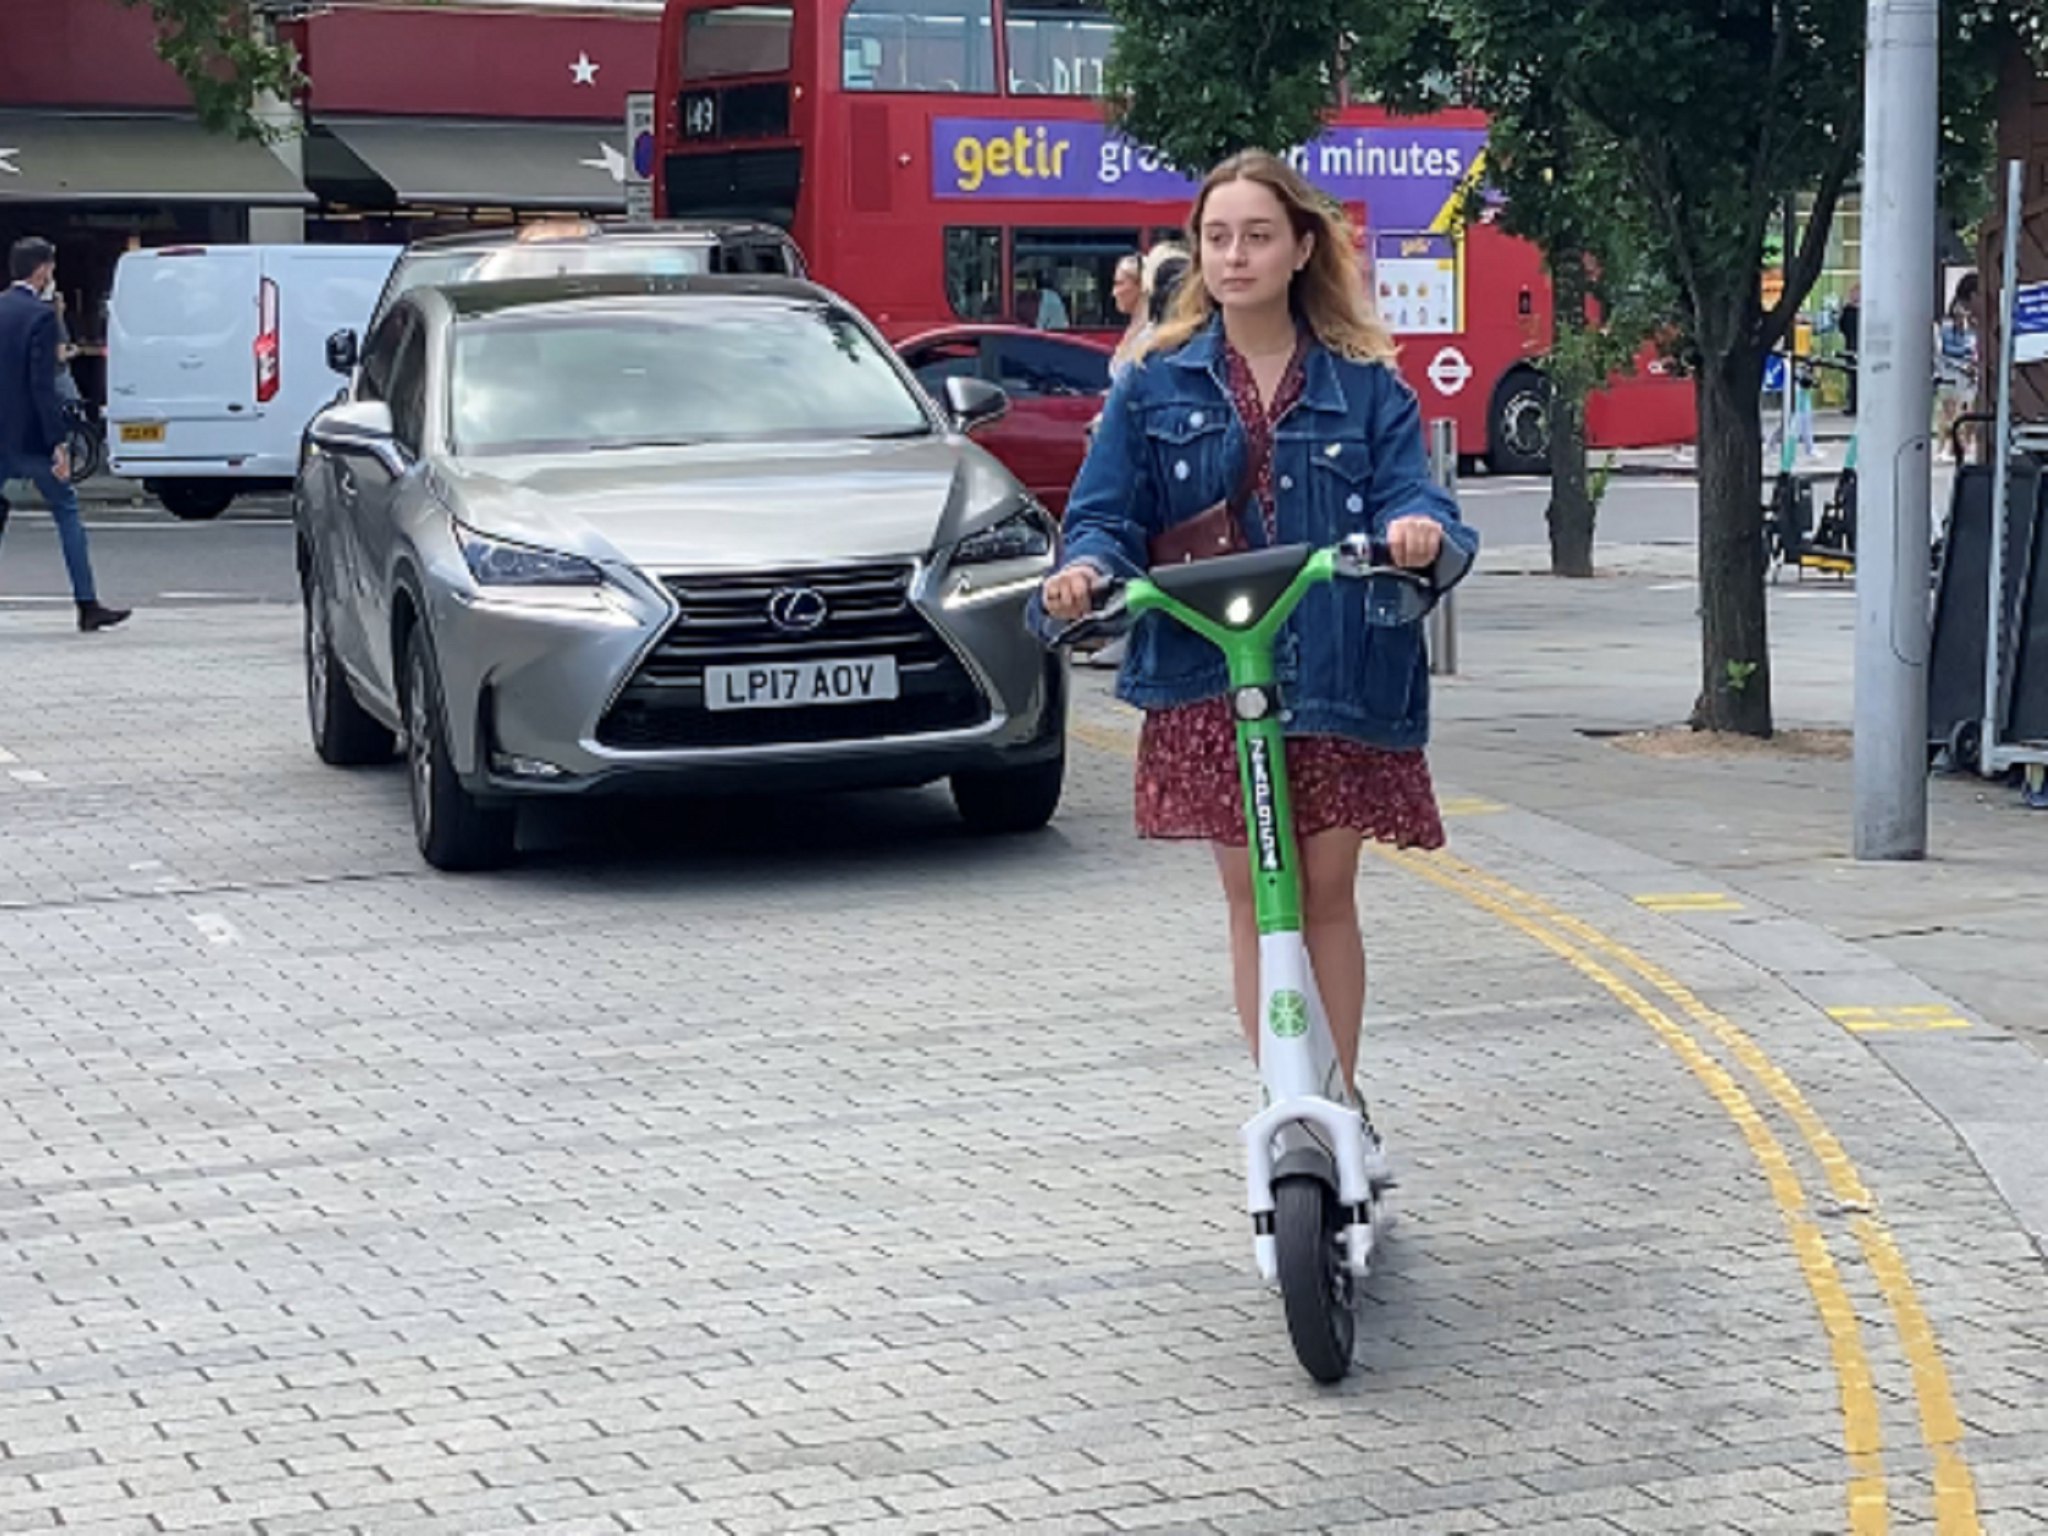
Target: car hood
x,y
739,505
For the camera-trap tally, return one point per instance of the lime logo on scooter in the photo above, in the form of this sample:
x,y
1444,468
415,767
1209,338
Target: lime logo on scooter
x,y
1287,1015
1265,817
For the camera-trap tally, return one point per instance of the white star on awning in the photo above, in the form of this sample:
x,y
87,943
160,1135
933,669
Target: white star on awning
x,y
584,71
7,162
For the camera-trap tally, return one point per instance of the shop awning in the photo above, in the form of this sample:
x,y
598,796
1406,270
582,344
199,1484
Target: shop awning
x,y
135,157
468,163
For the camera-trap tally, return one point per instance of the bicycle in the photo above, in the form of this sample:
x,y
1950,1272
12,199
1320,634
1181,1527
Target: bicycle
x,y
1317,1184
1791,534
85,440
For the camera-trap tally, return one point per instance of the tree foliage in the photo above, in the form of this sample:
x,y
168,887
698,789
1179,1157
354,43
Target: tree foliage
x,y
228,58
1199,80
1559,176
1706,115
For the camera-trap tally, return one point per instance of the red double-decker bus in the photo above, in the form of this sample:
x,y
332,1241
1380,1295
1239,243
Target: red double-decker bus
x,y
944,162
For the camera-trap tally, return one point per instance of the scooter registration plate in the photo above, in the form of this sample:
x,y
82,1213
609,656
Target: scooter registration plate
x,y
799,684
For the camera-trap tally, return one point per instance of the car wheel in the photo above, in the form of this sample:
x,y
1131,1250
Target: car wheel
x,y
1518,425
194,501
453,830
1010,799
344,733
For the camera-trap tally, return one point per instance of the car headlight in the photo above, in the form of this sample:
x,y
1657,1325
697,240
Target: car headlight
x,y
1021,536
501,563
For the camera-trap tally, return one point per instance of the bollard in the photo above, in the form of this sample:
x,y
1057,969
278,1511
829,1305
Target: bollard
x,y
1443,619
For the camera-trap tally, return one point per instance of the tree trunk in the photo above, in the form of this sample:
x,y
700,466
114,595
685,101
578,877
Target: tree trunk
x,y
1571,502
1571,510
1735,660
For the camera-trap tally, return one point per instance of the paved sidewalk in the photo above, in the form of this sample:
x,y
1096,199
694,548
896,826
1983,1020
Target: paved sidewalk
x,y
1551,673
812,1167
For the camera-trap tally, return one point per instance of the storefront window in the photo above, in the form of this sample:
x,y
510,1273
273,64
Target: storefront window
x,y
737,40
1063,277
974,273
1057,47
919,45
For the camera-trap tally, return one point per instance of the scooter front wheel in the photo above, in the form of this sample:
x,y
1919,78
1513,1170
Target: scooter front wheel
x,y
1315,1282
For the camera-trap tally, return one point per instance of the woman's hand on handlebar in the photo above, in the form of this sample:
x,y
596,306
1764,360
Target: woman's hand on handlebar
x,y
1070,594
1413,541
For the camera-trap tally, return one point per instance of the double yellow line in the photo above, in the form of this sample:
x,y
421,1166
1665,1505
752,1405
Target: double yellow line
x,y
1602,959
1610,964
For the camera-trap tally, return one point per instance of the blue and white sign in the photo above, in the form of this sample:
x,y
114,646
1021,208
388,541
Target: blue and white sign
x,y
1774,372
2030,322
639,183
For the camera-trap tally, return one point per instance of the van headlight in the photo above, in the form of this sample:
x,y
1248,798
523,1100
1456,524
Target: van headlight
x,y
502,563
1024,535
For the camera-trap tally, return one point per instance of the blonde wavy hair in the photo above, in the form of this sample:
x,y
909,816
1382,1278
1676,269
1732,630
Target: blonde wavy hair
x,y
1328,294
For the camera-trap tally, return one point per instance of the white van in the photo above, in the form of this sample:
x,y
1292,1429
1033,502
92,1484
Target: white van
x,y
217,359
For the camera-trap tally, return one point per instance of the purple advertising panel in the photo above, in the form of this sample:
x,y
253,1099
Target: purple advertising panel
x,y
1403,175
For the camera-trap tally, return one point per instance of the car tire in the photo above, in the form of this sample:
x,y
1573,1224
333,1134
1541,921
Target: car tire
x,y
1007,800
1518,424
453,829
194,501
345,735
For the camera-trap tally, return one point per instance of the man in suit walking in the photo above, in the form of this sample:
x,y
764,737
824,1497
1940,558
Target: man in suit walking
x,y
32,416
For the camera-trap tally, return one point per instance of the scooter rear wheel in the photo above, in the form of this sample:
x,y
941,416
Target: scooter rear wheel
x,y
1315,1283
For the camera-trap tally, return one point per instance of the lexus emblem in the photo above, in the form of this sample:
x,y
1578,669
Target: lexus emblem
x,y
796,610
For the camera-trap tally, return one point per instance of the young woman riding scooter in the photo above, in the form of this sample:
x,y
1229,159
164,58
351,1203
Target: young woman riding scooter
x,y
1271,388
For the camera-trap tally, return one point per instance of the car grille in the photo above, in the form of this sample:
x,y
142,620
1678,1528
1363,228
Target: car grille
x,y
724,622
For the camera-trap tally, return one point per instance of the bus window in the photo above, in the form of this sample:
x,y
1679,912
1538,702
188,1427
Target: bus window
x,y
919,45
737,40
974,273
1077,267
1057,47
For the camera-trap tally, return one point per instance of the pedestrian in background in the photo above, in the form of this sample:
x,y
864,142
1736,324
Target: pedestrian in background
x,y
1127,293
1165,265
67,385
1850,323
32,414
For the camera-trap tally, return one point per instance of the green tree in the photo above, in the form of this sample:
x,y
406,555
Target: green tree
x,y
1556,171
1716,110
1199,80
228,56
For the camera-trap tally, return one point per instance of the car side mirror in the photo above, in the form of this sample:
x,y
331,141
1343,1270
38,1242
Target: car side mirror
x,y
360,426
975,402
342,350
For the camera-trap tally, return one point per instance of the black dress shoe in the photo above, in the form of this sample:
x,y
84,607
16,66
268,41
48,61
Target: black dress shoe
x,y
92,616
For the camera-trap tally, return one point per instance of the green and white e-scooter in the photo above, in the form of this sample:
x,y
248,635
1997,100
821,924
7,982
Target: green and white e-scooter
x,y
1316,1180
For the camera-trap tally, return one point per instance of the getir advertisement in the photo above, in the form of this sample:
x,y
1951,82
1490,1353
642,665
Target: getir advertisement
x,y
1405,176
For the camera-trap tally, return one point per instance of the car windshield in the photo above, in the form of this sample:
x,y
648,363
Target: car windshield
x,y
542,259
637,375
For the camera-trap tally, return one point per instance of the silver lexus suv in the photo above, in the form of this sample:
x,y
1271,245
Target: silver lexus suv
x,y
682,534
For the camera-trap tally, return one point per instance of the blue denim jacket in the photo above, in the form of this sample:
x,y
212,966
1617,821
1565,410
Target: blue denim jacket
x,y
1347,458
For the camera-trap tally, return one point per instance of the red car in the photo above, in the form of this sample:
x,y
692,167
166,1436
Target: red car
x,y
1055,383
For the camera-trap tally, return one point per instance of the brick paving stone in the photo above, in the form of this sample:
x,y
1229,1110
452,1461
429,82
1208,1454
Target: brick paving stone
x,y
810,1166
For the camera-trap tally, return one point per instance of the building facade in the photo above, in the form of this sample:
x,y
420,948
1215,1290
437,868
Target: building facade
x,y
418,119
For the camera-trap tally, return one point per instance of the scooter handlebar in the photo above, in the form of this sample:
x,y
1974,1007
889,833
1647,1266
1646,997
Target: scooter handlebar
x,y
1359,557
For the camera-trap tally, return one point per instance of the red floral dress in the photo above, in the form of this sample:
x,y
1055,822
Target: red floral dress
x,y
1187,755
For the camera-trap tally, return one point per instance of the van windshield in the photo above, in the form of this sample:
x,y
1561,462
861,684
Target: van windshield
x,y
631,374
